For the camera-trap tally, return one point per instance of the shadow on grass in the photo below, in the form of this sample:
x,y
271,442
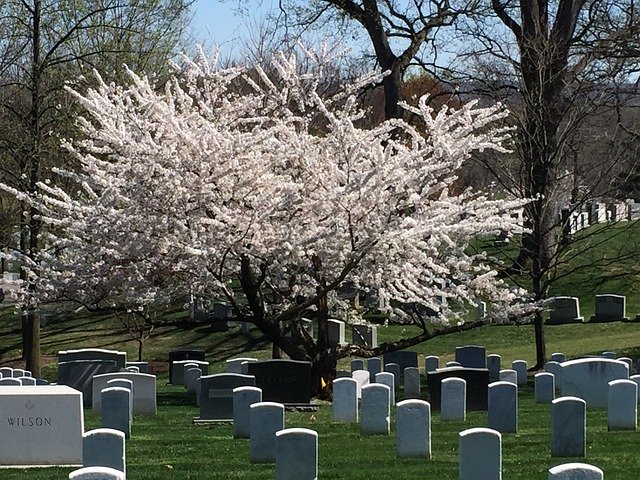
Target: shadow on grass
x,y
176,399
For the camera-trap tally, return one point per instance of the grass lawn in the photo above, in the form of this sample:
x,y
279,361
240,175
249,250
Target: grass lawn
x,y
169,447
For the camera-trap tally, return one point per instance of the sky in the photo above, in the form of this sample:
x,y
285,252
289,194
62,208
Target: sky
x,y
219,23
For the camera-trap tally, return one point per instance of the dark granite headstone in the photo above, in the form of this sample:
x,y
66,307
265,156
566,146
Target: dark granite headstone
x,y
404,358
184,354
93,354
79,374
283,381
471,356
216,394
477,386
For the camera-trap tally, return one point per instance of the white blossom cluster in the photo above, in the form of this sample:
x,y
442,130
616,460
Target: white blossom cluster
x,y
178,185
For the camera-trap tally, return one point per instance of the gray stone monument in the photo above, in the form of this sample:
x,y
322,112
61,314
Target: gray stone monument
x,y
364,335
610,308
588,378
336,331
431,363
471,356
563,310
558,357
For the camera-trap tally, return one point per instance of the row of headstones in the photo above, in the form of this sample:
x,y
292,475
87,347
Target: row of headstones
x,y
366,335
608,308
17,376
293,450
622,405
263,424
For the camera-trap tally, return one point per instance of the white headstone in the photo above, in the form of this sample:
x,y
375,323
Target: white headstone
x,y
266,418
345,400
375,409
509,376
413,429
296,454
411,382
480,454
558,357
545,390
388,379
453,399
556,370
394,369
116,410
362,379
575,471
45,425
191,376
357,364
374,366
96,473
431,363
520,366
502,407
622,412
493,365
104,447
243,398
568,427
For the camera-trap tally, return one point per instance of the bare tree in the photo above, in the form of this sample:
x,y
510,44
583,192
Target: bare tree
x,y
44,45
560,67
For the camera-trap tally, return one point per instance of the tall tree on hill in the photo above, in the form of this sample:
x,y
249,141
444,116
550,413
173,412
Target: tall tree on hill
x,y
260,189
45,45
559,66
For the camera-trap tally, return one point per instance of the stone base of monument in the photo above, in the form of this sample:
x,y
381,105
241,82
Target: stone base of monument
x,y
212,421
564,321
301,407
605,319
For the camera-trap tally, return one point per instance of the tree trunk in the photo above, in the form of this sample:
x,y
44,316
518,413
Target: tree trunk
x,y
32,353
140,347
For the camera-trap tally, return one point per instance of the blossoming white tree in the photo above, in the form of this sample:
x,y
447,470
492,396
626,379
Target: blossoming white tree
x,y
258,189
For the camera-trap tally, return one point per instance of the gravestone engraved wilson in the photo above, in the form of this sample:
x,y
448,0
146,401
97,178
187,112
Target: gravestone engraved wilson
x,y
283,381
41,425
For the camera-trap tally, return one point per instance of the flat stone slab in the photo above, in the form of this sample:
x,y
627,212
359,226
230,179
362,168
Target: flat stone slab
x,y
41,425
